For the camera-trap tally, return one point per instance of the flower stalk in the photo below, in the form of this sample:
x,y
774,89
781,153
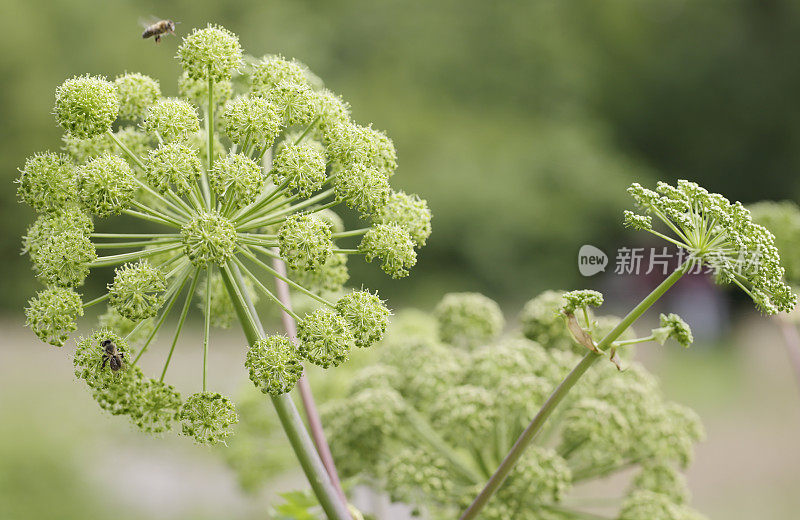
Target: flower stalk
x,y
589,359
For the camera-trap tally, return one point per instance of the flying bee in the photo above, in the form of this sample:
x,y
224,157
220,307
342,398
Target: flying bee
x,y
158,29
111,355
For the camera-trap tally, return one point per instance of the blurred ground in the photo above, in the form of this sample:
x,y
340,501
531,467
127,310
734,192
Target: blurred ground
x,y
61,458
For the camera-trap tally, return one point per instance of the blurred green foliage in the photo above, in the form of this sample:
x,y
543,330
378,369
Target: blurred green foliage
x,y
520,122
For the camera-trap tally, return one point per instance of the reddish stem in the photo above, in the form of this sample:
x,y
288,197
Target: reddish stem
x,y
312,415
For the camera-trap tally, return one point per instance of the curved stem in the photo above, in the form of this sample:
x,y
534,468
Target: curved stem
x,y
290,419
288,318
563,389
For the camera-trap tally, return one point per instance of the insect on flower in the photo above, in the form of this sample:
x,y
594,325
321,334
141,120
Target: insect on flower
x,y
111,355
159,28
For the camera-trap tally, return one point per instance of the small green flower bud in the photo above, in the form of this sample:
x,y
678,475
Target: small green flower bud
x,y
207,417
325,338
273,70
91,363
362,188
51,314
86,106
638,222
156,408
119,394
196,90
274,365
136,92
491,364
211,53
393,245
106,185
209,237
595,434
47,182
47,226
64,259
541,320
172,119
138,290
416,471
361,426
672,326
580,299
366,315
330,277
173,166
465,415
303,165
237,178
251,117
409,212
540,476
294,103
305,242
350,144
468,319
223,313
331,109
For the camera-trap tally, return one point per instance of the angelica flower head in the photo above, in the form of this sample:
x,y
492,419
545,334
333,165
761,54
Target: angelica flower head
x,y
430,422
224,206
717,233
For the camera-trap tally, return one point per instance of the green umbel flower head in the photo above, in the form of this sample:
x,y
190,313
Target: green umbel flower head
x,y
212,53
237,180
172,119
366,315
222,210
207,417
393,246
302,166
582,299
86,106
51,314
468,319
136,92
51,224
429,422
47,182
251,118
409,212
325,338
173,166
273,70
64,259
672,326
106,185
137,291
274,365
305,242
720,235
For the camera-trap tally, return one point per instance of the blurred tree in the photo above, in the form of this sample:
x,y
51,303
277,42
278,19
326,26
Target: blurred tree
x,y
520,123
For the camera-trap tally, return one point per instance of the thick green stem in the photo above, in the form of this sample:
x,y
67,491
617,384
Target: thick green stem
x,y
562,390
293,425
206,326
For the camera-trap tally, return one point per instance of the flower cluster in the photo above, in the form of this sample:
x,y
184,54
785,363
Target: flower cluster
x,y
241,173
430,429
717,233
